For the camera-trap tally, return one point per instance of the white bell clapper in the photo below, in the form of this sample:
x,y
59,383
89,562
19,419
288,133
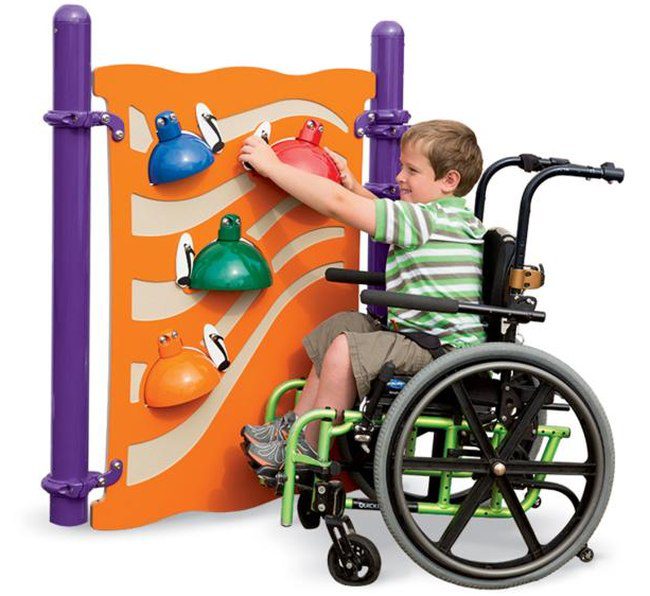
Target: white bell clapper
x,y
263,131
216,347
209,128
184,260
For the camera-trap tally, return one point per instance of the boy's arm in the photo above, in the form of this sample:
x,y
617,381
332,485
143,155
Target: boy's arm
x,y
321,194
326,197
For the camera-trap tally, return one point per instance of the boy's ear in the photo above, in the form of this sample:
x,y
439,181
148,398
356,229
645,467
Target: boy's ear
x,y
450,181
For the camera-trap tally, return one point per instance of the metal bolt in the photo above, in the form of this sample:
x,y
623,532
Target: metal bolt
x,y
499,469
163,339
119,135
310,124
101,481
174,334
106,118
371,116
360,132
321,490
160,121
504,418
348,565
117,465
321,507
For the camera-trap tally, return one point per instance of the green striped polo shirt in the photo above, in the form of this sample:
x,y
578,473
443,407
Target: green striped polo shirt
x,y
436,249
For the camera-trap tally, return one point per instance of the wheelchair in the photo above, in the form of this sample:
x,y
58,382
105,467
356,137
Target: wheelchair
x,y
458,457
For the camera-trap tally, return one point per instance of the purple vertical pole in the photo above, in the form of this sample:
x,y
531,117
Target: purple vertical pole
x,y
71,268
388,66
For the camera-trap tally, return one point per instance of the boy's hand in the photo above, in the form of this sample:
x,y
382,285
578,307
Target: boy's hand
x,y
347,179
259,154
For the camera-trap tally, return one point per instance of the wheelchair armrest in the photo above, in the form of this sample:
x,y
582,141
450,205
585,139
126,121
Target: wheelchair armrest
x,y
353,276
415,302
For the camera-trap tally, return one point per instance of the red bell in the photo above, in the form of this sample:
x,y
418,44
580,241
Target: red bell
x,y
305,153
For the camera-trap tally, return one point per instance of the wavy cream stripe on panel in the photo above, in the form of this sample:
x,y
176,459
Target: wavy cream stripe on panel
x,y
270,218
238,125
303,242
232,316
137,373
150,217
140,137
151,458
157,300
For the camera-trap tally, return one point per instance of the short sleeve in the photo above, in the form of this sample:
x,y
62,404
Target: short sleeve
x,y
402,223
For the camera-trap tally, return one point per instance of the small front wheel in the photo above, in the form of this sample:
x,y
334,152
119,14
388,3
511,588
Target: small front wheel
x,y
362,569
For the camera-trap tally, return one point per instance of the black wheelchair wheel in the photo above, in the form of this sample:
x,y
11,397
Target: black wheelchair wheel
x,y
368,563
467,546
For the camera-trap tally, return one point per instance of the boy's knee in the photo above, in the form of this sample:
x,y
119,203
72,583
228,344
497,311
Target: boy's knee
x,y
340,347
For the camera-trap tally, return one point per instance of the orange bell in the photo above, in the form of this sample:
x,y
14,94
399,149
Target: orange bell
x,y
180,375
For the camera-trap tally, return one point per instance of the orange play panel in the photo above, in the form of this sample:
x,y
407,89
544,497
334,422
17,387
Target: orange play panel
x,y
187,457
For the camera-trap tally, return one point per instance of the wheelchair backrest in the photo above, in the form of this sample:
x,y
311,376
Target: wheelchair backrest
x,y
498,258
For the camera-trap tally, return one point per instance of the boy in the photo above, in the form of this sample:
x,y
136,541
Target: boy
x,y
436,249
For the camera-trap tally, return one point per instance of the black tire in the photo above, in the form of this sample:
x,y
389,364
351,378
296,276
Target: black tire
x,y
309,519
369,558
593,471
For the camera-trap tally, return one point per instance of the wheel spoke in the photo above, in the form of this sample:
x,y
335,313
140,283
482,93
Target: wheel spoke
x,y
555,467
465,512
472,419
519,515
444,464
516,433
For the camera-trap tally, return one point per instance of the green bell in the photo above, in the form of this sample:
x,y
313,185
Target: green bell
x,y
230,263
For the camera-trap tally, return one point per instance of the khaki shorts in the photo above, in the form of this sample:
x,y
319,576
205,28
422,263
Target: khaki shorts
x,y
370,347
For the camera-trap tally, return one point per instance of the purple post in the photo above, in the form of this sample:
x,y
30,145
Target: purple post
x,y
388,66
71,268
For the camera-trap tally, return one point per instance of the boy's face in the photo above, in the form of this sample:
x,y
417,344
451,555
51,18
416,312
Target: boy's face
x,y
417,180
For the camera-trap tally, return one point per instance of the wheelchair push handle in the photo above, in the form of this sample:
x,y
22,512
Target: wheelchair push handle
x,y
526,161
607,171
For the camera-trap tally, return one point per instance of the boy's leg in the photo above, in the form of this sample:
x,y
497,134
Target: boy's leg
x,y
336,385
308,395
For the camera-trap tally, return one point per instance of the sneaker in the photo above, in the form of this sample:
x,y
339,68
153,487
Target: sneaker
x,y
271,431
272,455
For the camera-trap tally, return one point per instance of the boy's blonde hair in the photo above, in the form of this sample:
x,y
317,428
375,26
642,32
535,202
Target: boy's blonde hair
x,y
449,145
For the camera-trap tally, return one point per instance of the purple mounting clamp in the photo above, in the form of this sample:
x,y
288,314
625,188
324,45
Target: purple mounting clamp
x,y
80,489
75,119
386,190
382,124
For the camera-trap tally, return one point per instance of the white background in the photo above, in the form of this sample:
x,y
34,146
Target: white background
x,y
567,79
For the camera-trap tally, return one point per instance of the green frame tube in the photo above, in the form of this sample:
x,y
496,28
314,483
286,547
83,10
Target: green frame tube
x,y
328,431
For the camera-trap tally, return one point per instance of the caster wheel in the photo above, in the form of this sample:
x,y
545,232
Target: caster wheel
x,y
309,519
367,570
586,555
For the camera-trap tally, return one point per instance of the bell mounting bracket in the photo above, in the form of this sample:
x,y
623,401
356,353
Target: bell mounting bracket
x,y
381,124
74,489
383,189
76,119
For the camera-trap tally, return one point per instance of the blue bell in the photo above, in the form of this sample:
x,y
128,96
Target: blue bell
x,y
178,154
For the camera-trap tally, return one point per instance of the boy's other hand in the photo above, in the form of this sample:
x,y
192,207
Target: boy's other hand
x,y
258,154
347,179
